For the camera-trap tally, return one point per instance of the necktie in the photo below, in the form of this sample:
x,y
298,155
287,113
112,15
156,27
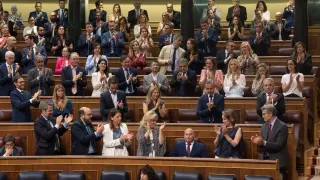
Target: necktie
x,y
188,149
138,13
61,16
42,81
57,144
174,59
22,93
129,85
74,87
113,42
10,69
211,116
88,130
269,131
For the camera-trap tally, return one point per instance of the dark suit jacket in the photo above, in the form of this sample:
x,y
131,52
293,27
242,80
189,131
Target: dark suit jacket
x,y
28,62
216,111
279,105
11,30
46,135
104,27
44,82
106,104
289,16
123,81
197,64
306,67
176,19
81,138
132,17
285,31
65,20
40,21
243,15
184,88
6,84
276,145
262,47
84,47
198,150
17,56
67,80
162,40
211,42
92,15
106,44
221,56
21,106
17,151
48,29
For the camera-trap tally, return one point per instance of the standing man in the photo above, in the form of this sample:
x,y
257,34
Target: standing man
x,y
273,139
224,56
47,130
166,38
112,41
134,14
40,17
40,78
174,16
21,101
99,8
62,14
210,105
51,27
260,41
156,79
207,38
73,77
87,40
83,135
113,98
237,10
288,12
99,26
280,29
7,71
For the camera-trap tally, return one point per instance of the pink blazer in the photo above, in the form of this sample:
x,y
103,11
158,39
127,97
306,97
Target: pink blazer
x,y
218,78
60,64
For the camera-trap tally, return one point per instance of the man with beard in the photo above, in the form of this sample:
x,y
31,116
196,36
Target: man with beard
x,y
40,17
51,27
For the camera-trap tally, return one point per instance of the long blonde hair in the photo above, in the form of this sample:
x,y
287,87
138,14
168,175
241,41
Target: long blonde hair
x,y
149,95
131,51
246,43
238,72
265,66
55,96
147,117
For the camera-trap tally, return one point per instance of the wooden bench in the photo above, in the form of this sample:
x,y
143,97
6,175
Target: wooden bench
x,y
204,132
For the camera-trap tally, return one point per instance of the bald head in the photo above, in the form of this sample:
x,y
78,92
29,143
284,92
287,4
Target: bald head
x,y
74,57
85,114
11,41
189,135
278,16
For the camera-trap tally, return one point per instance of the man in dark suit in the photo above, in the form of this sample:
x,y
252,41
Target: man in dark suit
x,y
173,15
99,27
280,29
7,71
9,148
11,43
270,97
207,38
73,77
260,41
51,27
210,105
224,56
237,10
29,53
113,99
127,77
99,8
189,147
87,40
62,13
41,78
288,13
39,16
185,80
83,135
273,139
134,14
167,37
42,39
47,130
112,41
21,101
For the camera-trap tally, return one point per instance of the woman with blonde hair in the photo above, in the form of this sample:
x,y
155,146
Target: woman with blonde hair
x,y
4,35
150,139
137,57
116,14
142,22
211,72
61,104
234,81
261,75
116,137
145,42
154,103
248,59
165,20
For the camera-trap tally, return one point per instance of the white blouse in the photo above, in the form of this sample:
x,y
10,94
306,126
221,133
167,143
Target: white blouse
x,y
237,90
136,31
109,144
97,86
265,16
294,87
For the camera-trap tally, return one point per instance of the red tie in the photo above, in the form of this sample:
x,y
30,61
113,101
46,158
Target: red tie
x,y
269,131
188,150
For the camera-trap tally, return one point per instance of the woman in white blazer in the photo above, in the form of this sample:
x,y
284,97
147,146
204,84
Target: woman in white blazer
x,y
116,137
100,78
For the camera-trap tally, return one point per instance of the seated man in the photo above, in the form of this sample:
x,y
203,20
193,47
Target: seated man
x,y
7,71
280,29
184,80
210,105
273,141
99,8
207,38
270,97
224,56
156,79
9,148
189,147
174,16
112,41
260,41
40,17
127,76
87,40
134,14
166,38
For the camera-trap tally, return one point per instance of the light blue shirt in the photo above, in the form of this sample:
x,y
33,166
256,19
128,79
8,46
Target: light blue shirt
x,y
91,66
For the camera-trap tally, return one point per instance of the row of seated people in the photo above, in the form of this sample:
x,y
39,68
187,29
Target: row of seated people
x,y
150,138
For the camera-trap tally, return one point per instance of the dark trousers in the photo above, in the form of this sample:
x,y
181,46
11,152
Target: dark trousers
x,y
284,173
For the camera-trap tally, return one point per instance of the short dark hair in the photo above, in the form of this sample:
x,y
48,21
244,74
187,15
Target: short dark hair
x,y
16,78
97,3
8,138
81,112
204,20
5,12
30,36
37,3
264,5
123,57
154,61
270,108
89,23
229,41
39,27
112,80
149,171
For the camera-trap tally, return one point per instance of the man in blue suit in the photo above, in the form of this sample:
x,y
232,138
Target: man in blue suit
x,y
189,147
112,41
62,13
210,105
207,38
87,40
29,53
260,40
99,8
21,101
167,37
39,16
7,71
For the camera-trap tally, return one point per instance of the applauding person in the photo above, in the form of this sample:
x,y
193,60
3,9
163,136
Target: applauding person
x,y
154,103
61,104
234,81
92,60
100,78
248,60
156,79
9,148
261,75
292,82
303,59
260,41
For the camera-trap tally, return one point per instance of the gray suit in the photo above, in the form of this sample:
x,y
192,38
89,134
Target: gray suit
x,y
276,146
161,79
44,83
